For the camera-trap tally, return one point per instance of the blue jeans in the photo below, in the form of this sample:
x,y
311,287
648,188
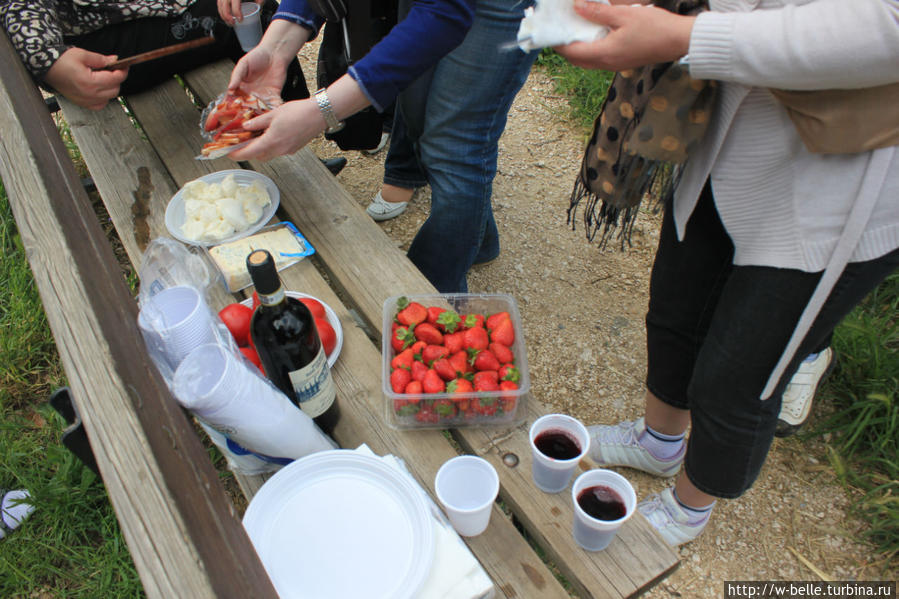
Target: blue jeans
x,y
714,333
467,102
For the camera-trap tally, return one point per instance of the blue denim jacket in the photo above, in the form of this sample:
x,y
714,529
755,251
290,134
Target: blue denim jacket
x,y
430,31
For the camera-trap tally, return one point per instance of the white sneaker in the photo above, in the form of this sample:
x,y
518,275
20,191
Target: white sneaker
x,y
799,393
668,517
381,209
14,508
619,445
385,137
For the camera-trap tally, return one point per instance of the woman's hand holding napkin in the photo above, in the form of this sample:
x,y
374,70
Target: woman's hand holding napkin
x,y
554,23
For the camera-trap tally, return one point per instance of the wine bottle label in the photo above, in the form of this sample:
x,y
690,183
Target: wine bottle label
x,y
270,300
314,386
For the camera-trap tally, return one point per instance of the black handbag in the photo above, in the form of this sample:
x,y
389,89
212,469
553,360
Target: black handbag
x,y
351,30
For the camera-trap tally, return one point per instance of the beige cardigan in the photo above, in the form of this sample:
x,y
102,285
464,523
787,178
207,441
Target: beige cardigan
x,y
782,205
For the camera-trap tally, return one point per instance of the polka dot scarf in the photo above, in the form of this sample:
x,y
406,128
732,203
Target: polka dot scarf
x,y
651,120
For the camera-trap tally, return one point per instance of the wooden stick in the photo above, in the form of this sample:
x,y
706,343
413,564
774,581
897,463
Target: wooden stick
x,y
157,53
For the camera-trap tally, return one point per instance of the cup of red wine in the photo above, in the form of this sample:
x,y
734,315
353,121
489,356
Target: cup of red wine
x,y
558,442
603,501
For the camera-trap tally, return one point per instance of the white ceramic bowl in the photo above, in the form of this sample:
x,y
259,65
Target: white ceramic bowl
x,y
174,213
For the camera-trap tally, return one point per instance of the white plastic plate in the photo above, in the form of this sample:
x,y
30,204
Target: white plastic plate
x,y
339,524
174,212
329,313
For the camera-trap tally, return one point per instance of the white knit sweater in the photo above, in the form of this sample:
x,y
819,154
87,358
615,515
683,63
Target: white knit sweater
x,y
782,205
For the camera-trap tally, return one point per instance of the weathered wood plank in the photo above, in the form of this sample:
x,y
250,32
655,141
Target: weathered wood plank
x,y
183,534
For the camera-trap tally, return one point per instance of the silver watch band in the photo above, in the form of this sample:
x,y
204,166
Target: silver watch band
x,y
324,105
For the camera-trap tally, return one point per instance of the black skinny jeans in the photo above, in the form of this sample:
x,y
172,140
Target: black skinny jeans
x,y
715,332
200,19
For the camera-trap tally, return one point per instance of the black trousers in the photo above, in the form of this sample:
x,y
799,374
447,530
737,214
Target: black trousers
x,y
715,332
201,19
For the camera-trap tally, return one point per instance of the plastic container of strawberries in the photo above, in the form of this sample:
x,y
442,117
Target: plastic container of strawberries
x,y
506,408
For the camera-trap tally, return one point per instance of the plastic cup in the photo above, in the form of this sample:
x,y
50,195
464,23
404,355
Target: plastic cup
x,y
551,475
249,29
174,322
467,486
594,534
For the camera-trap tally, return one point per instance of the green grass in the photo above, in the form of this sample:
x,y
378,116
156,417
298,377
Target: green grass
x,y
585,89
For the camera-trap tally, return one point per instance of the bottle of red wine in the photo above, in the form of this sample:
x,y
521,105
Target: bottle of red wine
x,y
287,341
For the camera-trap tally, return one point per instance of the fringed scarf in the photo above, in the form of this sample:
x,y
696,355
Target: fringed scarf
x,y
651,120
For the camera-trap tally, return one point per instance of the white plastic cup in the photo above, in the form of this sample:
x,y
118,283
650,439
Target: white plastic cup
x,y
594,534
467,486
174,322
552,475
223,391
15,506
249,29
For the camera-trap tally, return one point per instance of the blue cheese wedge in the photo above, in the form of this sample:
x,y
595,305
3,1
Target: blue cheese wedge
x,y
231,258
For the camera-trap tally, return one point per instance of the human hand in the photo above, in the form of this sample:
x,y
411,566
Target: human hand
x,y
229,10
260,73
76,76
287,129
639,35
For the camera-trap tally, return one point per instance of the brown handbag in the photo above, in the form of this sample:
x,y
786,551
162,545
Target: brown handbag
x,y
844,121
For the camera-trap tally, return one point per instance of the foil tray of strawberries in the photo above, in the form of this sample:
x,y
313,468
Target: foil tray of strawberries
x,y
453,360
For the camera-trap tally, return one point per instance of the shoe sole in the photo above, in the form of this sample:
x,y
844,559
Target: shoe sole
x,y
785,429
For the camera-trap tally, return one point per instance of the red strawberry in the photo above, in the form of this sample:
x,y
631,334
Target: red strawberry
x,y
432,383
446,370
429,334
473,320
405,407
495,319
418,370
427,414
459,361
411,313
454,342
459,386
486,380
485,406
403,359
476,338
504,333
433,313
401,338
502,352
431,353
445,408
399,378
414,388
448,321
485,360
508,400
418,346
508,372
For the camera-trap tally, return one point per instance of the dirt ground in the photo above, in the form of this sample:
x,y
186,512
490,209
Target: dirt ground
x,y
587,307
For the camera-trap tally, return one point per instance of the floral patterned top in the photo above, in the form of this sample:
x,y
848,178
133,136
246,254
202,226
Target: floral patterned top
x,y
38,29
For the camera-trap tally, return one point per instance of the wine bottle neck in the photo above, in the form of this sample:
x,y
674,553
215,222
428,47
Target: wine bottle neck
x,y
272,299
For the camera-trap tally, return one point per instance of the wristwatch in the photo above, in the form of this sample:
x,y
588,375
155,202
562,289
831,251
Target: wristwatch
x,y
324,105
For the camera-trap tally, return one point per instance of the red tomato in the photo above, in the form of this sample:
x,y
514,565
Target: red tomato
x,y
237,318
315,306
327,335
252,356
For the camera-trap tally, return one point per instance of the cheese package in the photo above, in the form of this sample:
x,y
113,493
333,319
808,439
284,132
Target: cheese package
x,y
283,241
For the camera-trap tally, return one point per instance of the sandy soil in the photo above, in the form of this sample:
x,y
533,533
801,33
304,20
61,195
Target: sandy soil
x,y
588,307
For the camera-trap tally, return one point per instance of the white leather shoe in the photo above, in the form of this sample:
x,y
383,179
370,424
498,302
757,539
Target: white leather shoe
x,y
381,209
797,399
669,518
619,445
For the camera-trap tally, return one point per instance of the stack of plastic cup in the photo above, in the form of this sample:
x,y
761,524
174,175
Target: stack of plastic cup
x,y
223,391
467,487
552,475
174,322
249,28
592,533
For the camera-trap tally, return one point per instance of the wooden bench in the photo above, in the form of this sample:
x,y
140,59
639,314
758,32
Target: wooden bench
x,y
185,536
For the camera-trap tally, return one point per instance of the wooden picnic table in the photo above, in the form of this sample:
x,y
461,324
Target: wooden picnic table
x,y
184,534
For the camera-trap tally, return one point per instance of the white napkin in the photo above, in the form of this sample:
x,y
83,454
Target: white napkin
x,y
553,23
455,573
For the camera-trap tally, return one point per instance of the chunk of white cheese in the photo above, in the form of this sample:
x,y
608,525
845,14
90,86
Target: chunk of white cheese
x,y
214,211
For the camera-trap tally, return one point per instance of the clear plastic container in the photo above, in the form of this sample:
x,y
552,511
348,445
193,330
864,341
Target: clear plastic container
x,y
456,410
